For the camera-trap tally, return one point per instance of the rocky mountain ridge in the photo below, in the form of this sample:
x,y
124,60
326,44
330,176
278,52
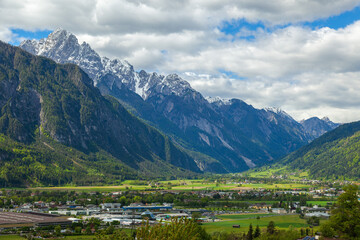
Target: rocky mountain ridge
x,y
317,127
63,47
49,105
232,134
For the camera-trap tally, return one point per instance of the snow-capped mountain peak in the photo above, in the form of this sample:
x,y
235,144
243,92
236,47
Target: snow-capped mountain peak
x,y
174,84
279,112
63,47
60,34
218,100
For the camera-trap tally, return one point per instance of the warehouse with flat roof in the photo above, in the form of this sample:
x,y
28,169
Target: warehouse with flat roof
x,y
31,219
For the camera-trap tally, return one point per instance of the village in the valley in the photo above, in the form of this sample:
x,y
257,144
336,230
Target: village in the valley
x,y
225,205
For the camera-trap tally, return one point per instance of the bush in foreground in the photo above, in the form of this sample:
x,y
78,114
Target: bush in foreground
x,y
178,229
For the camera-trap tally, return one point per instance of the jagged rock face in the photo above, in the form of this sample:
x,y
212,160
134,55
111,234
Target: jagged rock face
x,y
317,127
63,47
231,132
275,130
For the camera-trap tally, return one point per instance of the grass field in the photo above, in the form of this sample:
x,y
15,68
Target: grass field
x,y
244,216
277,171
277,186
281,222
320,203
90,188
176,185
11,237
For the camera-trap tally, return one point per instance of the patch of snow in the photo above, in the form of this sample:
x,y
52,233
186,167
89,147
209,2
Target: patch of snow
x,y
63,47
278,111
219,100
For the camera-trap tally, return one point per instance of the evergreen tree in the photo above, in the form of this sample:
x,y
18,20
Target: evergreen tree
x,y
257,232
302,232
250,233
271,228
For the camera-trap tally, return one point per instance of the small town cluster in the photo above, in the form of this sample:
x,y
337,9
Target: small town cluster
x,y
86,212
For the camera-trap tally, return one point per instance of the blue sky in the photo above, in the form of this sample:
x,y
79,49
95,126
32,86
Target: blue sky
x,y
234,27
335,22
23,34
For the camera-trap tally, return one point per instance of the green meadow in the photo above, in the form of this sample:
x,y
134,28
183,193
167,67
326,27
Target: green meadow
x,y
11,237
244,220
176,185
320,203
266,172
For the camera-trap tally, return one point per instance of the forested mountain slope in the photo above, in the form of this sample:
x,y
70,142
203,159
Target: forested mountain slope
x,y
40,98
334,155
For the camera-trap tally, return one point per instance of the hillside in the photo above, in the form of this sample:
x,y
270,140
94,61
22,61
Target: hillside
x,y
39,98
334,155
222,135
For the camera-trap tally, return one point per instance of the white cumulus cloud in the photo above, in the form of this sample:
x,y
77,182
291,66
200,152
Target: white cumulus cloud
x,y
304,71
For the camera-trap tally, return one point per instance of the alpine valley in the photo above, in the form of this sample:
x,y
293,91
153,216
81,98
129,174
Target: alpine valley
x,y
82,118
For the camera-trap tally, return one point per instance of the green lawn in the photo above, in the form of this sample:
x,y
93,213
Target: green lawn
x,y
277,186
252,201
281,222
232,217
320,203
91,188
11,237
